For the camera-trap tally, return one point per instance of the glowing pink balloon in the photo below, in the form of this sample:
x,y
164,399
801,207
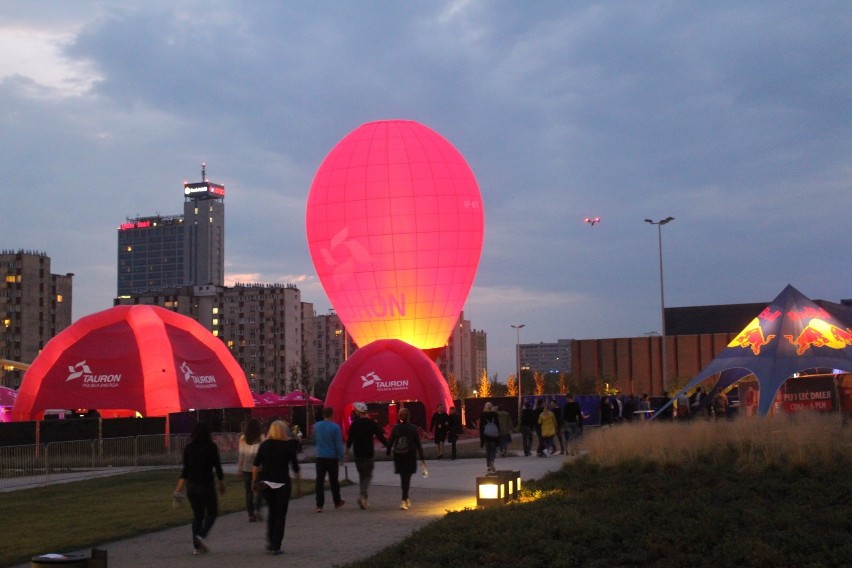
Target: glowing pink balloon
x,y
395,227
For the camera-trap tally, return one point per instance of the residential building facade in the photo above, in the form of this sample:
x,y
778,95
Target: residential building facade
x,y
35,305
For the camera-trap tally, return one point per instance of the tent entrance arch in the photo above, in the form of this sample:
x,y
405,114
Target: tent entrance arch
x,y
383,371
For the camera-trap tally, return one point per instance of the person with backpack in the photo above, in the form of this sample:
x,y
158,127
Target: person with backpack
x,y
406,447
489,434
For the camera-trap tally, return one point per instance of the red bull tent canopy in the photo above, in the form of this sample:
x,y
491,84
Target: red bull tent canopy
x,y
144,359
792,334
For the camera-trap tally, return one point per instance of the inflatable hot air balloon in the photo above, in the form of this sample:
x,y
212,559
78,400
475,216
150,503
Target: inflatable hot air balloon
x,y
395,228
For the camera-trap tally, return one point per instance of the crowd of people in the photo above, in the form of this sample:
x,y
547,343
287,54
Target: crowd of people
x,y
265,461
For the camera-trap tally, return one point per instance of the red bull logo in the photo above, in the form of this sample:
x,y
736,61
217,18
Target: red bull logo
x,y
820,333
752,336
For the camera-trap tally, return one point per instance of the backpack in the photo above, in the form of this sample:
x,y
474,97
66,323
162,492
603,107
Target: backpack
x,y
401,446
491,430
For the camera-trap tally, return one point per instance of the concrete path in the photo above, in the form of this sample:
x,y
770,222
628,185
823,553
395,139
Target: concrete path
x,y
335,536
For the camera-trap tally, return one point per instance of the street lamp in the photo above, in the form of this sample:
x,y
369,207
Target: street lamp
x,y
517,329
659,225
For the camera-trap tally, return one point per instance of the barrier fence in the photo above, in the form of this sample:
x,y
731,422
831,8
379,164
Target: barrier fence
x,y
39,464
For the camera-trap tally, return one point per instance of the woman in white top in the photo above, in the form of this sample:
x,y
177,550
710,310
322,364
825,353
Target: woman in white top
x,y
249,443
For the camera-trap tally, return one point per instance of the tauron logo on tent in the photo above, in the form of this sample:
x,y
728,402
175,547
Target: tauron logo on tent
x,y
91,380
372,378
200,381
74,373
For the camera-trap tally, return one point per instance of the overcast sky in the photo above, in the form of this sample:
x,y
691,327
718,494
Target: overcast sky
x,y
735,118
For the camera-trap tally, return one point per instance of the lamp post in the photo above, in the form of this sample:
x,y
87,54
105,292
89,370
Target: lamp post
x,y
517,329
659,225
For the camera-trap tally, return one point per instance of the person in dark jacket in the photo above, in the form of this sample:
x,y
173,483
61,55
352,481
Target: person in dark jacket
x,y
271,476
529,423
362,435
439,426
200,462
406,447
455,430
572,421
488,437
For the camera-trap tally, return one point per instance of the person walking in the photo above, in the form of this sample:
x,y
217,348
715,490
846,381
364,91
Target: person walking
x,y
529,422
489,434
271,476
539,408
200,462
439,426
557,412
720,405
362,433
454,430
249,443
504,424
329,455
547,420
572,421
406,447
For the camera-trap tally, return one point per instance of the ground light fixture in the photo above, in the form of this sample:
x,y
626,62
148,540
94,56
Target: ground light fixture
x,y
498,488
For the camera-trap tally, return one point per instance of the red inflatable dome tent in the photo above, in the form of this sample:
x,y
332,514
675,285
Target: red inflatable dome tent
x,y
130,359
383,371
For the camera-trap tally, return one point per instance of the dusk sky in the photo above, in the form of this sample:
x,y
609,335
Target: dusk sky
x,y
735,118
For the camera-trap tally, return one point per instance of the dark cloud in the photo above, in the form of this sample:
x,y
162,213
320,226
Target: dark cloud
x,y
730,116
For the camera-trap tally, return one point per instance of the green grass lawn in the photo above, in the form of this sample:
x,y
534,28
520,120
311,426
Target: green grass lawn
x,y
75,516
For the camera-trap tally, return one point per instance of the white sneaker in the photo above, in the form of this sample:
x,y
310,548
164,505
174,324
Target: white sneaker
x,y
404,505
202,545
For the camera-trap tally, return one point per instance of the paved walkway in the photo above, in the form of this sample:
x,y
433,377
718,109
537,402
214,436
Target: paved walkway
x,y
335,536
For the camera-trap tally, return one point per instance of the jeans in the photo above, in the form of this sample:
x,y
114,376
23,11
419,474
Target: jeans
x,y
452,438
365,474
205,508
278,501
253,500
329,466
490,451
405,481
527,437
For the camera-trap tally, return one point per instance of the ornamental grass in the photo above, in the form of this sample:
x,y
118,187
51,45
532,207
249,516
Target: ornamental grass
x,y
753,492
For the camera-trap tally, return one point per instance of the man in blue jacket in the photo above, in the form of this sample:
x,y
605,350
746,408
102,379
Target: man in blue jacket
x,y
329,456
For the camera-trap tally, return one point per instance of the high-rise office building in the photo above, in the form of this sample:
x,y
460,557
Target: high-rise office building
x,y
35,305
158,252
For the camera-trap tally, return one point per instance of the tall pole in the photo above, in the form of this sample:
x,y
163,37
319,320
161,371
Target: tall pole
x,y
663,365
517,329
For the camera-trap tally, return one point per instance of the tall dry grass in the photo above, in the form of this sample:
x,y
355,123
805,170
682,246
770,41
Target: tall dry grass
x,y
755,444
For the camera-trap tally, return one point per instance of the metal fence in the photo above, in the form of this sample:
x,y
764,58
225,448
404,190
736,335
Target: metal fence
x,y
40,464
